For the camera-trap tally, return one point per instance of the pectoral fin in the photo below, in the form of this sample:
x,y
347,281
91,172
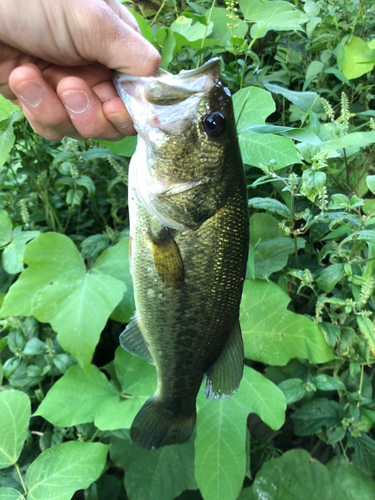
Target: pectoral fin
x,y
132,340
167,258
224,377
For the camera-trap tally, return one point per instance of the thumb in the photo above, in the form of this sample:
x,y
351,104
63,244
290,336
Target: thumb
x,y
110,39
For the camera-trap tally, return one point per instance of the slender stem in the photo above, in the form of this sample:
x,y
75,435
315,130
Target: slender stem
x,y
346,168
360,382
158,12
20,476
200,59
94,435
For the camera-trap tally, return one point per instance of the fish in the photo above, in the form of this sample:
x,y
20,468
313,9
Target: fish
x,y
189,237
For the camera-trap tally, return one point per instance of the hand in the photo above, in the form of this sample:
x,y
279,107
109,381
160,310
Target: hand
x,y
56,59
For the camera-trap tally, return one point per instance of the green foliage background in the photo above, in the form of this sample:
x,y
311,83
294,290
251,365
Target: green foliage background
x,y
302,421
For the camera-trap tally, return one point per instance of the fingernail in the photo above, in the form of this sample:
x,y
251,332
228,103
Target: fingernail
x,y
76,101
31,92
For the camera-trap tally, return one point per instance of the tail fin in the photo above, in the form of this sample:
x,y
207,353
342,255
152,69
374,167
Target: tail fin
x,y
155,426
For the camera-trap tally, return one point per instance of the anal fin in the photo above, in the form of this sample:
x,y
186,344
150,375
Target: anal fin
x,y
224,376
167,258
132,340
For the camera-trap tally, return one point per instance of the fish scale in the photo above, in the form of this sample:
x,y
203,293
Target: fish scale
x,y
189,232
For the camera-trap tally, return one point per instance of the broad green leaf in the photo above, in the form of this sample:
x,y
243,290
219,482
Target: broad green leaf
x,y
312,416
349,482
125,147
65,468
275,15
5,228
87,182
78,311
271,247
312,183
15,410
358,58
260,148
367,328
271,205
157,474
220,444
293,476
10,494
165,38
7,139
6,108
221,31
274,335
55,288
13,253
370,181
192,32
299,134
330,276
324,382
115,262
347,141
144,26
252,105
136,377
303,100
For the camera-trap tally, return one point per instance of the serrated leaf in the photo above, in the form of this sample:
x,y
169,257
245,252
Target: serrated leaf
x,y
220,443
274,335
55,288
293,476
15,411
330,276
156,474
271,247
293,389
10,494
348,481
5,228
115,262
271,205
312,416
65,468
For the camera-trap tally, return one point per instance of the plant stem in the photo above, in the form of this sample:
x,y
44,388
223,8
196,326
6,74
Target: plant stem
x,y
346,168
20,476
158,12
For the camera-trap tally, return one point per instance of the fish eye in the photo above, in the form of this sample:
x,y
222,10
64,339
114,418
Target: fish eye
x,y
213,124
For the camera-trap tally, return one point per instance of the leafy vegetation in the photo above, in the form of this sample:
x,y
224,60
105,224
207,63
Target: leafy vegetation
x,y
302,422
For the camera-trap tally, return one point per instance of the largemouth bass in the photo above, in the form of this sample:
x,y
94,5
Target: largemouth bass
x,y
189,245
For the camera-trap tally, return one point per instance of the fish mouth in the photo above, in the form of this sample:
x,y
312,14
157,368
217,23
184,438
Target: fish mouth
x,y
165,101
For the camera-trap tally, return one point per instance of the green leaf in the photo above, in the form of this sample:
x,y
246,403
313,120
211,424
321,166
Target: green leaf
x,y
271,247
87,182
6,108
13,253
330,276
348,481
311,417
299,134
157,474
274,15
358,58
312,183
7,139
136,377
370,181
252,105
65,468
221,32
293,389
144,26
165,38
303,100
367,328
115,262
15,410
220,443
10,494
293,476
346,141
125,147
274,335
192,32
271,205
262,149
5,228
324,382
55,288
